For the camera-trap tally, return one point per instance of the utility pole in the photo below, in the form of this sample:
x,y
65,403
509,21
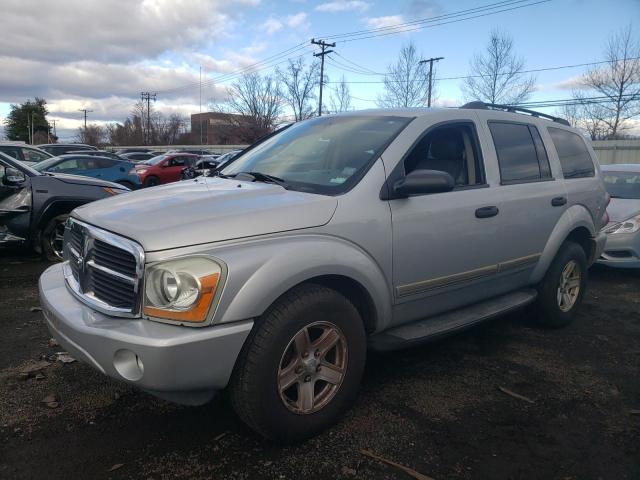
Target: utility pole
x,y
430,62
55,134
200,116
321,54
148,96
85,115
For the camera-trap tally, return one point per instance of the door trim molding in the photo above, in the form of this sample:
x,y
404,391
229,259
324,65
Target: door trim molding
x,y
463,277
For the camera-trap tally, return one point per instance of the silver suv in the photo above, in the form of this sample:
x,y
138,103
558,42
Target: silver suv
x,y
378,229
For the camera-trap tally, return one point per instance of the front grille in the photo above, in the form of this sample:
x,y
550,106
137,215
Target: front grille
x,y
103,269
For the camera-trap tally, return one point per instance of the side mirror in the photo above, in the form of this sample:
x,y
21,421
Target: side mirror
x,y
13,177
424,181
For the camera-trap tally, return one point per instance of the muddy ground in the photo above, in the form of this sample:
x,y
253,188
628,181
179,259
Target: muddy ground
x,y
437,409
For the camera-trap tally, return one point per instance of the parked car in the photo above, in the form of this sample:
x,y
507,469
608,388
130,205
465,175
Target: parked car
x,y
623,231
132,150
25,153
138,156
165,168
98,153
63,148
117,171
34,206
379,229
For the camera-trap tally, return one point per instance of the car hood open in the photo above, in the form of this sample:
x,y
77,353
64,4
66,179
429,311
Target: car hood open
x,y
206,210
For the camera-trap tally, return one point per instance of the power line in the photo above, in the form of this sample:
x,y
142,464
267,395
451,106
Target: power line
x,y
462,77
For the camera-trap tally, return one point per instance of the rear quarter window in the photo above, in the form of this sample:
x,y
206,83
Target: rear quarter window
x,y
574,157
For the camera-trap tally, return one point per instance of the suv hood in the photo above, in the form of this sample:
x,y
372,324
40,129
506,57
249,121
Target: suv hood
x,y
206,210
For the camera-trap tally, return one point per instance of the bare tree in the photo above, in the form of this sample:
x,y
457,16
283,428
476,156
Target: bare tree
x,y
495,75
341,97
618,82
299,85
259,98
92,135
406,83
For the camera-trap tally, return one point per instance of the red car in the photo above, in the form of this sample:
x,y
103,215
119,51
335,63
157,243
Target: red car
x,y
165,168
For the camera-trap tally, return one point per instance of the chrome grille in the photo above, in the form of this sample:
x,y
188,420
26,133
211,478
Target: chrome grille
x,y
104,270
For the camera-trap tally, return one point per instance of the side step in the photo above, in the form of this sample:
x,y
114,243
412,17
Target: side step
x,y
423,330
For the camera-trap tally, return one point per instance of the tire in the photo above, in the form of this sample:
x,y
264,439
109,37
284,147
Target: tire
x,y
127,184
554,309
151,181
51,238
266,364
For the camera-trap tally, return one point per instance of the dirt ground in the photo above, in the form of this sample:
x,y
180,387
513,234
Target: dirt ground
x,y
437,409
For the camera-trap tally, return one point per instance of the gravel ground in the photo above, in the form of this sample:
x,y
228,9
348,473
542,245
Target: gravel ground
x,y
437,409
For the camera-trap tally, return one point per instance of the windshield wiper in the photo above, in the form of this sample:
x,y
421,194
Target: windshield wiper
x,y
264,177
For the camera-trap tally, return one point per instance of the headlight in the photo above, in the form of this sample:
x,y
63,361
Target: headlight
x,y
630,225
141,171
182,290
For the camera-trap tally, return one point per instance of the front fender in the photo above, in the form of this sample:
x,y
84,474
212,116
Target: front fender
x,y
573,217
261,271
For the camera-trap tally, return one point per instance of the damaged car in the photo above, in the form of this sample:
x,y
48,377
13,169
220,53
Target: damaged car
x,y
34,206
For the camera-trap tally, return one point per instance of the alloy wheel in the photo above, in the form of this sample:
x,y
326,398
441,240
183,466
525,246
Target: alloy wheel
x,y
312,367
569,287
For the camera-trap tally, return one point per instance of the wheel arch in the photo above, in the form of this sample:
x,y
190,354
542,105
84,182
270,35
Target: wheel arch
x,y
575,224
262,274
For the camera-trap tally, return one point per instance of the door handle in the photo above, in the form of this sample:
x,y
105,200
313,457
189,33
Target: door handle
x,y
486,212
558,201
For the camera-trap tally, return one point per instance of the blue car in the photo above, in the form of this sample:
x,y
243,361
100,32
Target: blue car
x,y
118,171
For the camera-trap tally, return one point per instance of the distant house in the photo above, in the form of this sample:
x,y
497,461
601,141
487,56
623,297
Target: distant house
x,y
220,128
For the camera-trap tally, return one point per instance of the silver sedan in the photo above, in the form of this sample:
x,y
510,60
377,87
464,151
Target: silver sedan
x,y
622,249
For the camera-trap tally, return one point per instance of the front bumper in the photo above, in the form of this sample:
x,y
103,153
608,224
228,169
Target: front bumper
x,y
181,364
621,251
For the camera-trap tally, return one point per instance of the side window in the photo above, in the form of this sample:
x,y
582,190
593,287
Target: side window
x,y
70,164
12,152
521,153
177,162
573,154
33,155
451,148
103,163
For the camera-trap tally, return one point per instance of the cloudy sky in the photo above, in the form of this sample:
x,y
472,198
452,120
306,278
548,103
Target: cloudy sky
x,y
100,54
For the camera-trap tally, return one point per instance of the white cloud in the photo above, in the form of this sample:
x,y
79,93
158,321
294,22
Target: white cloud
x,y
271,26
343,6
299,21
386,21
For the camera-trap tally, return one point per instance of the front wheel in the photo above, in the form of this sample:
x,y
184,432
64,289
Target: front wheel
x,y
52,237
151,182
301,367
563,288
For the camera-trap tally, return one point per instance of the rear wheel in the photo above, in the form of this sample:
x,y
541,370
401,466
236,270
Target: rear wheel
x,y
151,181
562,290
52,237
301,366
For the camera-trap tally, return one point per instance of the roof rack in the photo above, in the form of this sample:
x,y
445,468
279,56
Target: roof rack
x,y
477,105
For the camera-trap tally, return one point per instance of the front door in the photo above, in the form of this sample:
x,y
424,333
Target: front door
x,y
446,246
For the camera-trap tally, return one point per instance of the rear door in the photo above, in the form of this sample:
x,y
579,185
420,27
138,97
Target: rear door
x,y
532,193
173,171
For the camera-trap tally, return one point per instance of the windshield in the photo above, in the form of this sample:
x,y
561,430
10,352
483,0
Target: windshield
x,y
18,164
155,160
45,164
623,184
326,155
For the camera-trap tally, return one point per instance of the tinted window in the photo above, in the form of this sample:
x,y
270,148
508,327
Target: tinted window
x,y
11,151
31,155
572,151
517,154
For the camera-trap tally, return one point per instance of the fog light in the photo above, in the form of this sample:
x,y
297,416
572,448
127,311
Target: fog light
x,y
128,365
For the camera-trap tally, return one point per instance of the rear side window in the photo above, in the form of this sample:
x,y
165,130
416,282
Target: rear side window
x,y
521,154
573,154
